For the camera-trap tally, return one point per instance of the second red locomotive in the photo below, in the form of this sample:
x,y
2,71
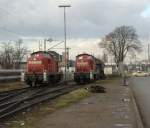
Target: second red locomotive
x,y
88,68
42,68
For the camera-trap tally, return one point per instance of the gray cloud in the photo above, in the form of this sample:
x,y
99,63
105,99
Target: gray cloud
x,y
103,16
86,18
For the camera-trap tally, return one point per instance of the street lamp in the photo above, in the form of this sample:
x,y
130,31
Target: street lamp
x,y
65,35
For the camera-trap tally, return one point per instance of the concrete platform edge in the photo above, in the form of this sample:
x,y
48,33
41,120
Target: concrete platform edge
x,y
137,112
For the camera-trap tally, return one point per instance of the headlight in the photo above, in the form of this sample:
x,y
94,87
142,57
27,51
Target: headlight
x,y
45,76
22,76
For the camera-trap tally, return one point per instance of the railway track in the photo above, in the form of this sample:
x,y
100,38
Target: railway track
x,y
11,92
15,101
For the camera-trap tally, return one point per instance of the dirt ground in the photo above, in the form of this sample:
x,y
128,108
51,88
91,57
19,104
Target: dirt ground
x,y
11,86
113,109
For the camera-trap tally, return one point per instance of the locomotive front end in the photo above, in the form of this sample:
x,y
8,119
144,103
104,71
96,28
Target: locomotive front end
x,y
42,68
84,68
88,68
36,72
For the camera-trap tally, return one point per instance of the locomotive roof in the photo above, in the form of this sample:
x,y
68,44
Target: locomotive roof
x,y
84,54
38,52
52,53
43,52
96,59
56,55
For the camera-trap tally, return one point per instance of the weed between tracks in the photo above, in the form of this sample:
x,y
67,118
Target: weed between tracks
x,y
72,97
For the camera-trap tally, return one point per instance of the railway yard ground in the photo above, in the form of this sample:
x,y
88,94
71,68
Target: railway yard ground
x,y
113,108
7,86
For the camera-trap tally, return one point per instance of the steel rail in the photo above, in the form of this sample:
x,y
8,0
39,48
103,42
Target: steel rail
x,y
12,104
27,105
42,95
12,91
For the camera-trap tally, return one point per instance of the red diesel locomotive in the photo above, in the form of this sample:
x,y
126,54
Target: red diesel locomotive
x,y
88,68
42,68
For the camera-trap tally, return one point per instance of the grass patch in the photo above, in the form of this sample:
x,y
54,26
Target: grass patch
x,y
71,97
17,124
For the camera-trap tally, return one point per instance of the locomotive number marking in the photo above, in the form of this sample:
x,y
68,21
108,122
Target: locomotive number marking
x,y
35,62
82,64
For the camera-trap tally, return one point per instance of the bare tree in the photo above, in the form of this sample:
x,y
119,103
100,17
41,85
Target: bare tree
x,y
120,42
7,56
11,55
19,54
105,57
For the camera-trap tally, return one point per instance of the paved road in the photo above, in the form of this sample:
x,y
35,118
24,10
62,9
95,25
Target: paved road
x,y
141,88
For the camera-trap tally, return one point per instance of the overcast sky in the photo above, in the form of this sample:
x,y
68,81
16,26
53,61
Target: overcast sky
x,y
87,20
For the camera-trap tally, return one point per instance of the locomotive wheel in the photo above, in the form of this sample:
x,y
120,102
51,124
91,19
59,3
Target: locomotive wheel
x,y
33,84
30,85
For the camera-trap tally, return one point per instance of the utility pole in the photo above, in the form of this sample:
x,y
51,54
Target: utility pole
x,y
68,57
148,54
65,37
19,53
135,62
40,45
44,44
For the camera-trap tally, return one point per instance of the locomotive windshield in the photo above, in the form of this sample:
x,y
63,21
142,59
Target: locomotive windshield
x,y
42,54
84,63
